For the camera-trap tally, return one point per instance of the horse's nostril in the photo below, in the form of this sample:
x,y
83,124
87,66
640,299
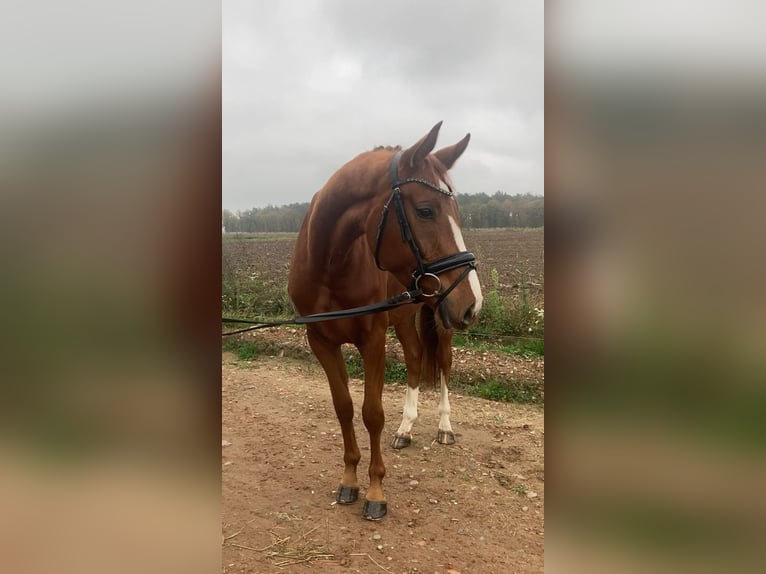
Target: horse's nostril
x,y
469,315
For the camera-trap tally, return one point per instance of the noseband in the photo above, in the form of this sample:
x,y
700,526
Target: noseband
x,y
434,268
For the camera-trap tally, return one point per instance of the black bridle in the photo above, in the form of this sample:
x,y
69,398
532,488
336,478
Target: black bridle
x,y
434,268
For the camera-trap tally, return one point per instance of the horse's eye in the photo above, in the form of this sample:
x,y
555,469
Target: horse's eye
x,y
425,212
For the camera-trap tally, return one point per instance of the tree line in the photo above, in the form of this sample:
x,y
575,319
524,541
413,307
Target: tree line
x,y
476,211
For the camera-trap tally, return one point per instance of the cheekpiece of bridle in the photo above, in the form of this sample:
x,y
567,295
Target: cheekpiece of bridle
x,y
434,268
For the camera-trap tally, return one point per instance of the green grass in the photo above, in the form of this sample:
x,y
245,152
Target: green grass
x,y
520,489
396,372
245,350
517,391
483,341
251,297
249,349
500,318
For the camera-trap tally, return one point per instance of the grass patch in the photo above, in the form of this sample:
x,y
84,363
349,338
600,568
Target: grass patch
x,y
508,345
520,489
245,350
354,366
500,318
517,391
396,372
248,349
251,296
531,348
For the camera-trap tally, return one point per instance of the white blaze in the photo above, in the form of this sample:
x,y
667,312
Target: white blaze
x,y
444,408
410,412
473,278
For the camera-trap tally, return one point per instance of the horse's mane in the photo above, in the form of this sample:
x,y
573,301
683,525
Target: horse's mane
x,y
387,147
439,165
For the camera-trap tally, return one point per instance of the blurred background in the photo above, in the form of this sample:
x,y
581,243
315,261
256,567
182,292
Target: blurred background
x,y
655,142
109,189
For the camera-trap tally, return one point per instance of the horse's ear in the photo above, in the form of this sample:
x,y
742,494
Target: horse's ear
x,y
415,155
448,155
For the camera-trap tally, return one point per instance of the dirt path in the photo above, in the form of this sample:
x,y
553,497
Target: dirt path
x,y
476,506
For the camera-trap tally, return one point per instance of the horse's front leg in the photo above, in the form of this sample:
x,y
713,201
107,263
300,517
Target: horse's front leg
x,y
408,337
374,355
332,361
444,360
445,434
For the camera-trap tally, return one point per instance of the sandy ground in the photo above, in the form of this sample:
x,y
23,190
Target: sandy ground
x,y
476,506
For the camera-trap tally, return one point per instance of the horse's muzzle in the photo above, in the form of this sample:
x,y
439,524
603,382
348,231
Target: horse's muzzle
x,y
469,316
459,321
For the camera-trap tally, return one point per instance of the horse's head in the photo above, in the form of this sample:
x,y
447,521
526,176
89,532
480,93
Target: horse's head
x,y
418,236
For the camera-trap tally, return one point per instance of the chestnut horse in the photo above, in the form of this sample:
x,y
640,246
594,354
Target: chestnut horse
x,y
348,247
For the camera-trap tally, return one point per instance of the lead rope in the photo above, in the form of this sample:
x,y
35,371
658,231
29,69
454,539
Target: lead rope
x,y
408,296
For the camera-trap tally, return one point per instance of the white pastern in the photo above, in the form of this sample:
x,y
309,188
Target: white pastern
x,y
473,278
410,412
444,408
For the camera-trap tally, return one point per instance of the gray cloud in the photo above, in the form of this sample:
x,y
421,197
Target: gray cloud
x,y
308,85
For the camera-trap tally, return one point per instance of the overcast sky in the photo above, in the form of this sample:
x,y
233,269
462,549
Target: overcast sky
x,y
309,84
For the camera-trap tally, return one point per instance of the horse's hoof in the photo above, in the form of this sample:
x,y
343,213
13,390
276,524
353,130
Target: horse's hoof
x,y
445,437
374,510
401,441
347,494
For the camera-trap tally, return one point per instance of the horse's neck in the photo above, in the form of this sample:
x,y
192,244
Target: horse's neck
x,y
340,216
338,229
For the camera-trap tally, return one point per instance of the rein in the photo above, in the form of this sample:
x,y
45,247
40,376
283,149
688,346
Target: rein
x,y
433,269
408,296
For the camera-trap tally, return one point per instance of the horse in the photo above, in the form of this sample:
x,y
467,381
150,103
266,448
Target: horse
x,y
427,352
346,250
